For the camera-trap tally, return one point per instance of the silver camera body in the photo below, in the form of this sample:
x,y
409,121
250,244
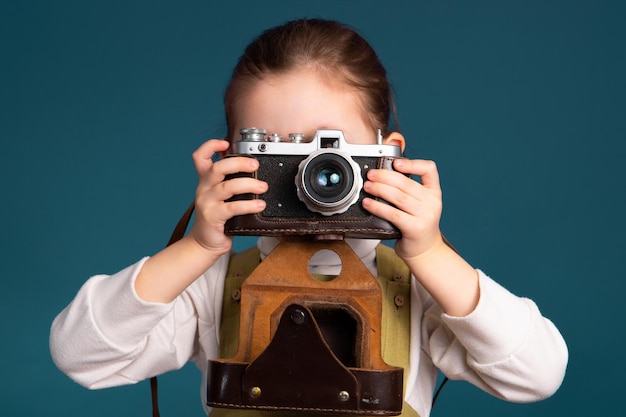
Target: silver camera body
x,y
315,187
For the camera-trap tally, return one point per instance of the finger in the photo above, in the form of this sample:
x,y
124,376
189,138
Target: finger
x,y
216,173
220,213
234,164
243,185
386,183
241,207
425,169
216,215
203,156
215,203
407,201
410,223
385,211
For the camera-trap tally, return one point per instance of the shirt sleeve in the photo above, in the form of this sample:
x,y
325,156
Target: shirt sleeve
x,y
505,346
108,336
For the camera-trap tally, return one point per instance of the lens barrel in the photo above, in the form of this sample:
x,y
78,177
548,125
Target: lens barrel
x,y
328,181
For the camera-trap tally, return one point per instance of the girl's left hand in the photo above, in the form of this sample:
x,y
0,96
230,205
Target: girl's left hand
x,y
416,209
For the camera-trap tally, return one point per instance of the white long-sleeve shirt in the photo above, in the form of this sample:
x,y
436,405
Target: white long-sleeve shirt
x,y
108,336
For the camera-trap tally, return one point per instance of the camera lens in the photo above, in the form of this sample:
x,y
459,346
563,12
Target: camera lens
x,y
329,181
328,177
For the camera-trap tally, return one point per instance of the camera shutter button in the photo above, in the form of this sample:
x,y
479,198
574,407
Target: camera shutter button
x,y
274,137
296,137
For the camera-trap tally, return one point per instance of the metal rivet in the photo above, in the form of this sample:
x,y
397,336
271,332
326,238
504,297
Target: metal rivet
x,y
255,392
344,396
297,317
398,300
236,295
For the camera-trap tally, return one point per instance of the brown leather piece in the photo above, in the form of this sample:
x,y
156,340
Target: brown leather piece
x,y
371,227
283,361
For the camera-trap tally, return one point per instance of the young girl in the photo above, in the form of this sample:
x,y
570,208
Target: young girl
x,y
164,310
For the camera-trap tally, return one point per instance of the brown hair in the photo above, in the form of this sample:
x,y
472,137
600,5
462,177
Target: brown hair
x,y
324,45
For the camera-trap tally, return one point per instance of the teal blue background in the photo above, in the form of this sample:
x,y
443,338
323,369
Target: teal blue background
x,y
521,103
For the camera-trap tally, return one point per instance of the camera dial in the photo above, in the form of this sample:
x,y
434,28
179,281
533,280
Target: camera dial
x,y
253,134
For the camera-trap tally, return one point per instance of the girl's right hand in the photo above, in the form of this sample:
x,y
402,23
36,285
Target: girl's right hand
x,y
212,210
166,274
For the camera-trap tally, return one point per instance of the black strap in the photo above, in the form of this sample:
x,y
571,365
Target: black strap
x,y
181,226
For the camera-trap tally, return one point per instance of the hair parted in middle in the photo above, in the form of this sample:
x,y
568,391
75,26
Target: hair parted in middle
x,y
328,47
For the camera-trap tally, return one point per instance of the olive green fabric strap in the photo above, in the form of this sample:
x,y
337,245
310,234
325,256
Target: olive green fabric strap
x,y
394,278
240,267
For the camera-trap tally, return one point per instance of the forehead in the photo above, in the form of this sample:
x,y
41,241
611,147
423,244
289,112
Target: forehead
x,y
300,102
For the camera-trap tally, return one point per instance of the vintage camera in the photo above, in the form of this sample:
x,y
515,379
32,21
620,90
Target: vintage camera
x,y
315,187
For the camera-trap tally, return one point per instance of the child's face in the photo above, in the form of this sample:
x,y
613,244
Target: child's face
x,y
300,102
